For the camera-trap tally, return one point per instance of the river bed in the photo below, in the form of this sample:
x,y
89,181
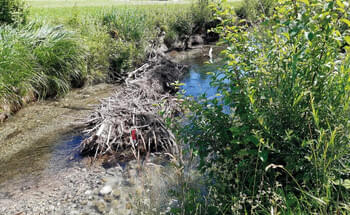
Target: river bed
x,y
40,167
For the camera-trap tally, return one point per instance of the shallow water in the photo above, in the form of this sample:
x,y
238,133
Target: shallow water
x,y
46,157
41,138
197,81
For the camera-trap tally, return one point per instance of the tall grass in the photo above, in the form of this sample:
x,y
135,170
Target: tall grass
x,y
48,59
38,59
117,38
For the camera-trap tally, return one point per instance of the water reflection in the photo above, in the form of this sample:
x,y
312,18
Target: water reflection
x,y
197,80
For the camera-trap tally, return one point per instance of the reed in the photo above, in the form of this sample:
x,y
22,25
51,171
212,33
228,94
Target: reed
x,y
38,59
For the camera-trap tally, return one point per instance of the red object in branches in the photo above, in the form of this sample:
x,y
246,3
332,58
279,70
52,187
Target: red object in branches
x,y
133,134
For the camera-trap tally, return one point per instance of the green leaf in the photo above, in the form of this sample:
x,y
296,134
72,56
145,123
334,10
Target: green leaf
x,y
309,35
263,155
340,4
305,2
346,21
345,183
347,39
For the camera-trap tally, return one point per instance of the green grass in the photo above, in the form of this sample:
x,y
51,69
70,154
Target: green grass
x,y
53,4
61,15
107,3
114,36
38,59
94,3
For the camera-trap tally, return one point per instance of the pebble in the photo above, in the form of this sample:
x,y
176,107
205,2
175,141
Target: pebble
x,y
108,198
106,190
116,193
88,192
100,206
115,204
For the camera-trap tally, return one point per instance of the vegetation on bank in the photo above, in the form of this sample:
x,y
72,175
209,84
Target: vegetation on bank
x,y
283,148
60,48
13,12
38,59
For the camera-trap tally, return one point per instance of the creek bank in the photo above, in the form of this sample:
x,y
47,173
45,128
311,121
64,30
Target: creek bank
x,y
85,189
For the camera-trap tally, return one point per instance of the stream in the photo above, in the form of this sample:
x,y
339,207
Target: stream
x,y
40,139
38,145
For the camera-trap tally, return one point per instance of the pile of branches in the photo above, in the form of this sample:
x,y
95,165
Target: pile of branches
x,y
132,122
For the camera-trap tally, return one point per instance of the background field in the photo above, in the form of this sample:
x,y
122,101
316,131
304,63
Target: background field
x,y
94,3
103,3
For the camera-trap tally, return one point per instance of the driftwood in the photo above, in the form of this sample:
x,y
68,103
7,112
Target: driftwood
x,y
132,122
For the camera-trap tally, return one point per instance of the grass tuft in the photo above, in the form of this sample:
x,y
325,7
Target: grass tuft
x,y
38,58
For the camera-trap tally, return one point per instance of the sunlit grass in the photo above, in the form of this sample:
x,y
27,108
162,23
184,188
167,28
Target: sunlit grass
x,y
92,22
40,59
94,3
108,3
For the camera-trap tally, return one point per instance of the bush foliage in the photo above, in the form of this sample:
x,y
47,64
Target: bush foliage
x,y
284,147
13,11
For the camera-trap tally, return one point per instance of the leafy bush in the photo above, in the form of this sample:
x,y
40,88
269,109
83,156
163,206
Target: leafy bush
x,y
284,146
182,25
13,11
124,55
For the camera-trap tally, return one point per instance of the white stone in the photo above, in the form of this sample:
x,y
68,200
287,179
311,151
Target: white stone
x,y
88,192
106,190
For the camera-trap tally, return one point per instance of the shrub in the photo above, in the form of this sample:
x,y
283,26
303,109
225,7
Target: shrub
x,y
193,21
13,11
201,16
130,29
284,146
124,56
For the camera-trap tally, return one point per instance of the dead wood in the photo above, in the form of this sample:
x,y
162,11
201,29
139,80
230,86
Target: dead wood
x,y
132,122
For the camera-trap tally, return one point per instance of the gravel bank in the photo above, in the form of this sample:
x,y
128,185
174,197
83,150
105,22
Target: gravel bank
x,y
93,190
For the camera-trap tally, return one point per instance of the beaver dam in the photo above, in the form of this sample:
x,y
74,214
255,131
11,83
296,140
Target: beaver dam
x,y
131,122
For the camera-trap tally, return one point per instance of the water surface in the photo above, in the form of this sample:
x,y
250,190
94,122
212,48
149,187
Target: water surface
x,y
41,138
